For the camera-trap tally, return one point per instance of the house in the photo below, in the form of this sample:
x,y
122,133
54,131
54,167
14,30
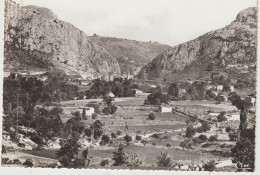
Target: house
x,y
209,86
164,109
110,94
231,88
219,87
233,117
250,100
90,111
137,92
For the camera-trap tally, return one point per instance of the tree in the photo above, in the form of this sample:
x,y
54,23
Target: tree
x,y
173,90
157,98
128,138
203,137
244,153
68,151
213,138
119,156
105,139
164,160
151,116
138,138
144,142
190,131
221,117
186,144
97,128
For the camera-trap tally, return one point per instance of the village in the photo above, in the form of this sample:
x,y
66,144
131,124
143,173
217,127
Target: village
x,y
145,127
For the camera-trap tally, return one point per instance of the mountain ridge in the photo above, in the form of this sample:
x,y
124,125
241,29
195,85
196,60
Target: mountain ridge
x,y
235,43
35,37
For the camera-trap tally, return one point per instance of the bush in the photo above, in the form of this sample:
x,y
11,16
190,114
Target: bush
x,y
88,132
28,163
134,160
155,135
94,116
144,142
153,143
105,139
104,162
111,109
113,135
118,132
233,135
228,129
213,138
209,165
190,131
203,137
186,144
128,138
137,137
168,145
164,160
151,116
221,117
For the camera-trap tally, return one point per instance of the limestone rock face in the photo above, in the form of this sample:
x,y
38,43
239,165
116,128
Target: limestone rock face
x,y
35,37
236,43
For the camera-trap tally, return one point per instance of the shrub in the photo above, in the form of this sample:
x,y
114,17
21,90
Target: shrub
x,y
164,160
105,139
28,163
137,137
118,132
155,135
168,145
88,132
221,117
144,142
190,131
153,143
196,141
104,162
94,116
186,144
233,135
203,137
213,138
151,116
209,165
128,138
134,160
228,129
113,135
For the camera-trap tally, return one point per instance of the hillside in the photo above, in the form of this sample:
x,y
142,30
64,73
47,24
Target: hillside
x,y
36,38
233,44
130,53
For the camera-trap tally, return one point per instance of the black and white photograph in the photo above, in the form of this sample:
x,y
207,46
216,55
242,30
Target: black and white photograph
x,y
129,84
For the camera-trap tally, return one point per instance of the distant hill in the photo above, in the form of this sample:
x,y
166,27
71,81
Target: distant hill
x,y
130,54
36,38
233,44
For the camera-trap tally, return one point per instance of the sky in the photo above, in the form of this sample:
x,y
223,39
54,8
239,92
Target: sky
x,y
166,21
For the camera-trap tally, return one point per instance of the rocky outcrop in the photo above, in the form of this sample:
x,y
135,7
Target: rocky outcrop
x,y
236,43
35,37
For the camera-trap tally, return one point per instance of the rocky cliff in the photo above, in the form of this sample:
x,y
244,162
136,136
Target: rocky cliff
x,y
236,43
36,38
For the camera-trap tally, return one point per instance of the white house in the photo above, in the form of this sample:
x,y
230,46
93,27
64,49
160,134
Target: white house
x,y
90,111
209,86
110,94
233,117
164,109
219,87
137,92
231,88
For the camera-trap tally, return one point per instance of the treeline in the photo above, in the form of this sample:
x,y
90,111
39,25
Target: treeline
x,y
119,87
